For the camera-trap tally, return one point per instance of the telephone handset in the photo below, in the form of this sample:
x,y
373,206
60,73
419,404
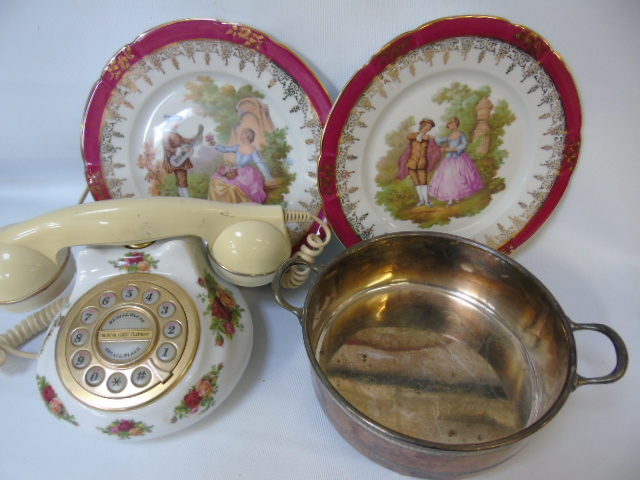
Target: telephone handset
x,y
248,242
152,333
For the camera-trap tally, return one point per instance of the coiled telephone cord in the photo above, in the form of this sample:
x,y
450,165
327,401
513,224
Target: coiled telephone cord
x,y
33,324
298,274
27,329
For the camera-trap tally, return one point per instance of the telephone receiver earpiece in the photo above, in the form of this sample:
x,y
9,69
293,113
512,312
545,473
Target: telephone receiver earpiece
x,y
246,242
249,252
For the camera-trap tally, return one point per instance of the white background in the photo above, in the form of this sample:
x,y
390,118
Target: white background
x,y
587,254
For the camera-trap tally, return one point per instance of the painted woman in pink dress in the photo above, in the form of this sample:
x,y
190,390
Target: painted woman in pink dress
x,y
243,181
456,177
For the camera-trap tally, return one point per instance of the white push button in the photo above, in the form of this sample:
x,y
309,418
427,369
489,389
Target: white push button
x,y
79,337
151,296
81,359
167,310
95,376
108,300
89,315
141,377
172,329
116,382
130,293
167,352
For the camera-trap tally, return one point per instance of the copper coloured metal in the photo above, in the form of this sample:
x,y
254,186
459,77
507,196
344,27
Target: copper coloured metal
x,y
436,356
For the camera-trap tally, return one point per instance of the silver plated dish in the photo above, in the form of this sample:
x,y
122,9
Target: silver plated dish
x,y
437,356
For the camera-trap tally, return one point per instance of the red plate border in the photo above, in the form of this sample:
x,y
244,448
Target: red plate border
x,y
481,26
179,31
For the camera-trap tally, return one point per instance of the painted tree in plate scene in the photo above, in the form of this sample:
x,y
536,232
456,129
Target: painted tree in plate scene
x,y
400,198
219,103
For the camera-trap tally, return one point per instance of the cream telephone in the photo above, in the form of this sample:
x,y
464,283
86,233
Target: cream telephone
x,y
152,332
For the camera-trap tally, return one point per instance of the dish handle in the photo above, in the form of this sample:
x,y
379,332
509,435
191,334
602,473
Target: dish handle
x,y
622,355
276,283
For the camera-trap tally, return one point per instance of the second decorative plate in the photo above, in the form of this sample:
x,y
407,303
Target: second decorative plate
x,y
467,125
207,109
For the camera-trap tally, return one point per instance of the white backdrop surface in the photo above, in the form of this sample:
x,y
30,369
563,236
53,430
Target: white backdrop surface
x,y
587,254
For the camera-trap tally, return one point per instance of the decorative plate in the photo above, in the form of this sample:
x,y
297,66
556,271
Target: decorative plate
x,y
206,109
467,125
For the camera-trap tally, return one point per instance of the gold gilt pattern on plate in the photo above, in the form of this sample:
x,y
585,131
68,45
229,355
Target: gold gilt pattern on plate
x,y
474,50
133,77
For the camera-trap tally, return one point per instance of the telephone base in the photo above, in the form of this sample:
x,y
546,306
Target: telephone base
x,y
152,340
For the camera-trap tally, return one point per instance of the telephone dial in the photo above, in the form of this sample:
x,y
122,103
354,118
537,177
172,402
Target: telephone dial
x,y
147,328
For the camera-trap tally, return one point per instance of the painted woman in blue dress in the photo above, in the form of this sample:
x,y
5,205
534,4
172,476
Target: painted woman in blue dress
x,y
456,177
243,181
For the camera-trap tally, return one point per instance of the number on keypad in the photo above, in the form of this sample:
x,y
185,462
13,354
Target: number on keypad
x,y
80,337
130,293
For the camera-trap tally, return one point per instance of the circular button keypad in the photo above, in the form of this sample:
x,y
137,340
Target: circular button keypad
x,y
127,337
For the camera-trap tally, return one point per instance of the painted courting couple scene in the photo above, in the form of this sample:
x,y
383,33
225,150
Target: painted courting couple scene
x,y
243,159
435,170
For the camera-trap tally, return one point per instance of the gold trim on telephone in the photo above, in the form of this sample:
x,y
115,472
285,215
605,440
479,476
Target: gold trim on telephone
x,y
32,253
127,341
151,333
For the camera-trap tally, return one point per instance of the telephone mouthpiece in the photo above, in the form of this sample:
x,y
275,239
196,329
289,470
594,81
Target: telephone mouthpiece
x,y
248,253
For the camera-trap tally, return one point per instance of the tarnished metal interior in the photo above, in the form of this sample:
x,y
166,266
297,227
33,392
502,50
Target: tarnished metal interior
x,y
438,339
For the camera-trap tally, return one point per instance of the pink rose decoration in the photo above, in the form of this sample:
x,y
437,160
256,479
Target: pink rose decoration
x,y
205,388
48,394
220,311
126,425
193,399
56,406
135,258
230,328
